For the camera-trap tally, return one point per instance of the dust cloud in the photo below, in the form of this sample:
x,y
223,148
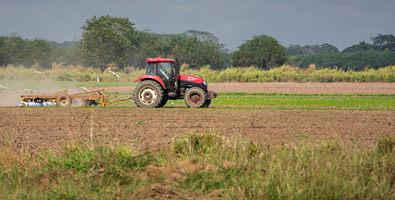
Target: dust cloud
x,y
11,95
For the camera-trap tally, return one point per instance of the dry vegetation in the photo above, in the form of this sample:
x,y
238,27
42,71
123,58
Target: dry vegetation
x,y
202,166
284,73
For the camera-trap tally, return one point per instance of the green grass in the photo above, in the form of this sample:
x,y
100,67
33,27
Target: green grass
x,y
383,102
301,101
306,100
238,169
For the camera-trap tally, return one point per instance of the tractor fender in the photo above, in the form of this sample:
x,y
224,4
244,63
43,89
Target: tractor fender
x,y
151,77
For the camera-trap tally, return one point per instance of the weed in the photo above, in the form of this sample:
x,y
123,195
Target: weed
x,y
238,169
385,145
303,136
193,144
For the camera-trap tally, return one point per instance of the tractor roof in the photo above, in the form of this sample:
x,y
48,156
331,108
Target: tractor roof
x,y
160,59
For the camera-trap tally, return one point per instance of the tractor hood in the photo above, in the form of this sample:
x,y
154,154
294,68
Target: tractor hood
x,y
194,79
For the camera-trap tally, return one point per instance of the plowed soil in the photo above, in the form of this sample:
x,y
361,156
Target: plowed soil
x,y
306,88
51,128
290,87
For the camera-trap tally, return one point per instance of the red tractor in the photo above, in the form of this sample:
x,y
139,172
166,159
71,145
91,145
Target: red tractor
x,y
162,82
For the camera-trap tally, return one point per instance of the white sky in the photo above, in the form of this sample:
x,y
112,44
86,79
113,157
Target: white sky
x,y
341,23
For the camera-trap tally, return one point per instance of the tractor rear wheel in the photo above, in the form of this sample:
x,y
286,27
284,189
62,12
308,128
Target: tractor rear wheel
x,y
63,100
207,103
148,94
164,101
195,98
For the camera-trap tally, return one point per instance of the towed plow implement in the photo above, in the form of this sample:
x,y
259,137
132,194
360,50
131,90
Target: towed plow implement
x,y
64,99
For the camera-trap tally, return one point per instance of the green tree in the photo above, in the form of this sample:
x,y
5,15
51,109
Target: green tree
x,y
361,47
328,48
195,48
382,42
295,49
149,45
108,40
356,61
3,53
14,50
202,36
41,53
68,52
71,53
220,57
18,51
190,50
261,51
311,49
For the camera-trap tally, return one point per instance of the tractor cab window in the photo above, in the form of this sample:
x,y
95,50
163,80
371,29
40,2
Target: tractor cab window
x,y
151,69
165,70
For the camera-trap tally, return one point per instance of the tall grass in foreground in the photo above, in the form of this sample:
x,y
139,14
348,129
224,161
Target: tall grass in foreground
x,y
284,73
196,166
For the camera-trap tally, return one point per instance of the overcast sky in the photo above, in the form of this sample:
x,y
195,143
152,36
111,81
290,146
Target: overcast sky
x,y
341,23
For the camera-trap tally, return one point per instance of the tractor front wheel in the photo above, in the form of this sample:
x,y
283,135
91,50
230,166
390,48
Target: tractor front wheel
x,y
148,94
195,98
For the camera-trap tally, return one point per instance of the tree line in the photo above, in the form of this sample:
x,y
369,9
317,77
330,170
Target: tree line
x,y
108,40
379,53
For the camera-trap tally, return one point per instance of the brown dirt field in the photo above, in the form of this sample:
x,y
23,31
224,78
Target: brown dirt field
x,y
305,88
290,87
51,128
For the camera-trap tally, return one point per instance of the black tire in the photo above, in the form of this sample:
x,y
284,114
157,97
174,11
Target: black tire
x,y
164,101
195,98
63,100
148,94
208,101
90,103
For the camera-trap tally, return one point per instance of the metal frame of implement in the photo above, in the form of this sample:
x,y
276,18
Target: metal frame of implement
x,y
90,97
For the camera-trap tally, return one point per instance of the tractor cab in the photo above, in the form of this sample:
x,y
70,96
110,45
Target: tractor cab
x,y
165,69
162,82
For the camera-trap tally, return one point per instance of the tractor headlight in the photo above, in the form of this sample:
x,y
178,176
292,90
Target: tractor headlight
x,y
204,83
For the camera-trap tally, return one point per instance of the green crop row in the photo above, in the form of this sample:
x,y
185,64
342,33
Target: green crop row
x,y
383,102
203,166
240,100
285,73
312,100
